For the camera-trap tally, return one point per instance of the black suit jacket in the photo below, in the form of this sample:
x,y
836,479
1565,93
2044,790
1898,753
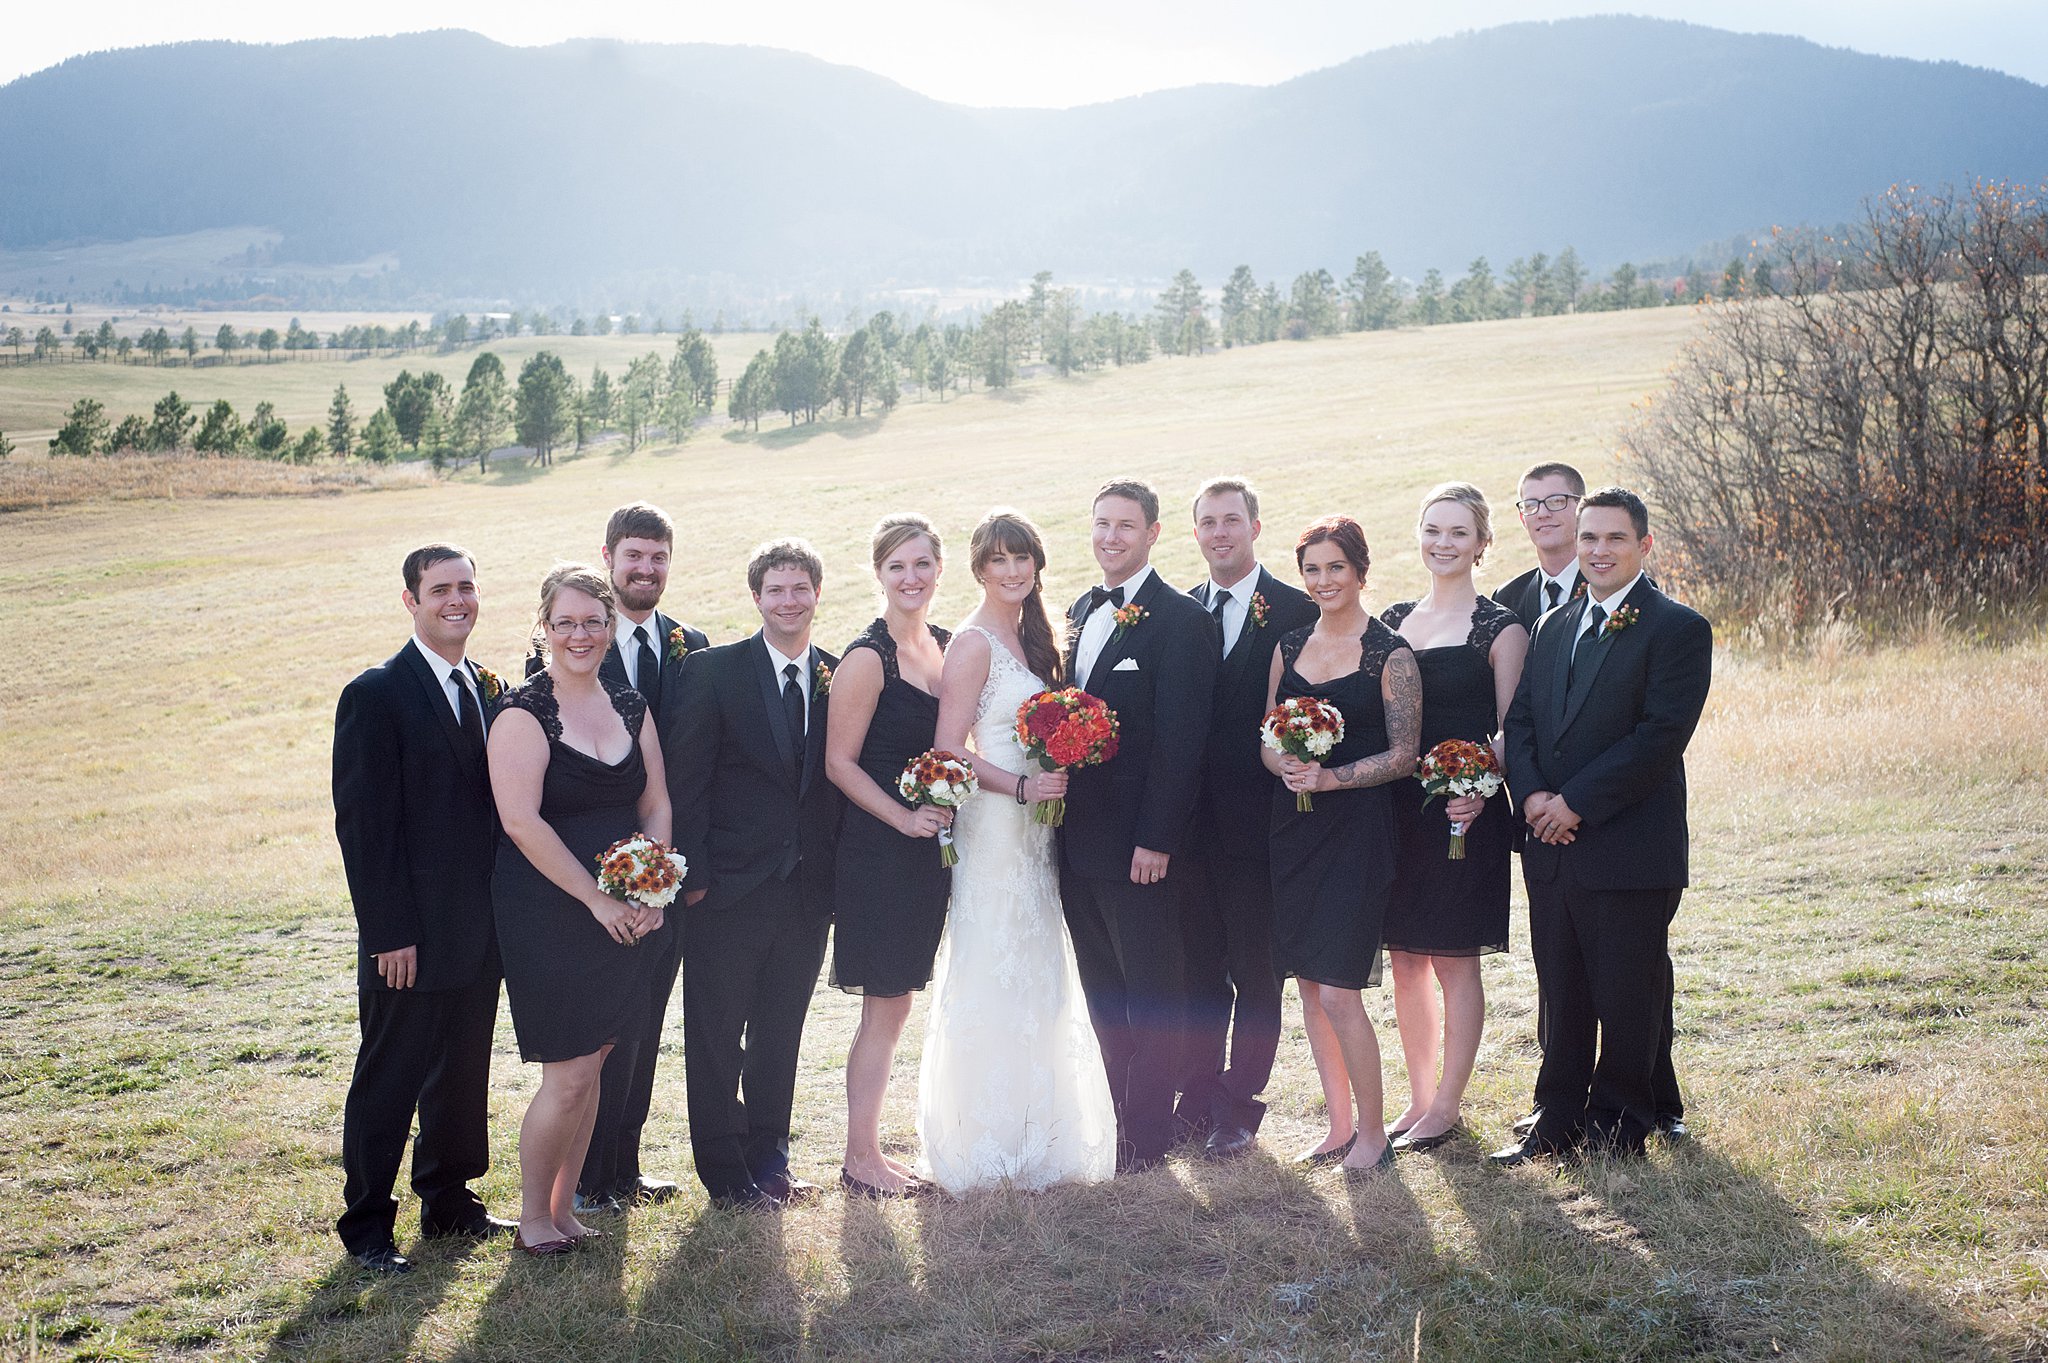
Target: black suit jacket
x,y
1613,741
417,825
739,817
1144,796
614,666
1523,595
1235,813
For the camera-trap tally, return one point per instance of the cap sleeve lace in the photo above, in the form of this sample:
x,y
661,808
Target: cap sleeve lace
x,y
630,704
536,696
877,637
1291,644
1396,613
1489,618
1376,645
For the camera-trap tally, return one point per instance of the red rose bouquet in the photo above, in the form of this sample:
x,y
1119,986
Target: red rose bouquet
x,y
1060,729
1458,766
942,779
1306,729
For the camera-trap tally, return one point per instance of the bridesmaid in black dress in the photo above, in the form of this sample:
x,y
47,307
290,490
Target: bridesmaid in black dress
x,y
574,769
1444,914
1333,866
890,902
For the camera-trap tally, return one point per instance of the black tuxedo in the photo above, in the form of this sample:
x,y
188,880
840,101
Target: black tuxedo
x,y
418,832
759,839
611,1166
1160,678
1227,901
1608,733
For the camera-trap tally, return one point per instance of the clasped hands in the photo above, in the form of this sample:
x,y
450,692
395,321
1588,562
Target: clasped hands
x,y
1550,818
626,921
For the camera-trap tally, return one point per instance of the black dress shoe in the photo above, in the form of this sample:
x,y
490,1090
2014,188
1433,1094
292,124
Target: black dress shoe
x,y
752,1199
1673,1129
1524,1125
1139,1164
790,1190
481,1227
1531,1147
654,1190
1317,1159
1229,1142
597,1204
384,1259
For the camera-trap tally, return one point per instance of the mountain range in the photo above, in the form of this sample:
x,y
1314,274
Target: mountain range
x,y
489,170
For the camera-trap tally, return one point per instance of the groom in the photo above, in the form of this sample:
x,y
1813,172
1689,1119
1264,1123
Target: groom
x,y
1151,653
1611,693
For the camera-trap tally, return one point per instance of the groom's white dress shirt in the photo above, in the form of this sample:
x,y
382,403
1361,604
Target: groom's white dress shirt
x,y
1238,608
1101,621
440,667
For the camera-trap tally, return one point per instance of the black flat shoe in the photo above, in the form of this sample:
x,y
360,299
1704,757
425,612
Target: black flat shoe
x,y
1316,1159
546,1249
1354,1174
1415,1145
860,1188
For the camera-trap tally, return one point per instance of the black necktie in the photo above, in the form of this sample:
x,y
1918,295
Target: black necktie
x,y
1222,599
649,671
1554,590
793,707
1595,618
1098,595
472,718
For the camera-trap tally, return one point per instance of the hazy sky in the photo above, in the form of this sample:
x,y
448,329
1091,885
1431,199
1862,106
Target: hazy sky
x,y
1043,52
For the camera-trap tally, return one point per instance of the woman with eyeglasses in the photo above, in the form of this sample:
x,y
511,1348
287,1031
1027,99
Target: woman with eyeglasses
x,y
574,768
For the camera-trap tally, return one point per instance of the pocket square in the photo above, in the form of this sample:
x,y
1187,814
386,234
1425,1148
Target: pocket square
x,y
1127,665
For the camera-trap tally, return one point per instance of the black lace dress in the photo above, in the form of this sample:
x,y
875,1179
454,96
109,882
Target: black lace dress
x,y
572,987
1442,907
890,891
1333,866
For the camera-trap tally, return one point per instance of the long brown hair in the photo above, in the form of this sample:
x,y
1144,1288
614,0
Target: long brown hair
x,y
1006,532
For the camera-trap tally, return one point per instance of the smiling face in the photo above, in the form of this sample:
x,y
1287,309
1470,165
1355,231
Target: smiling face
x,y
1330,578
910,575
1550,531
1228,536
787,601
1610,554
444,612
1008,576
1122,539
1448,536
639,569
579,631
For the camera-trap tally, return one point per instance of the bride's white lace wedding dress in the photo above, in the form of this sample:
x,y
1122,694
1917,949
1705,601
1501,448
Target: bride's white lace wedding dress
x,y
1011,1085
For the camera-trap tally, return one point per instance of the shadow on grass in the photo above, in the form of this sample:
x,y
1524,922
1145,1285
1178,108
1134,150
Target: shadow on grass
x,y
570,1307
724,1291
1691,1255
790,437
347,1295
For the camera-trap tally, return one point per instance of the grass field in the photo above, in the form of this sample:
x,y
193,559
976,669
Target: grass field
x,y
1860,961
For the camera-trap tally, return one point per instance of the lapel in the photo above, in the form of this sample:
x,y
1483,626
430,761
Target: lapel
x,y
771,701
1247,644
1115,649
433,691
1596,656
814,735
614,665
1077,616
1565,622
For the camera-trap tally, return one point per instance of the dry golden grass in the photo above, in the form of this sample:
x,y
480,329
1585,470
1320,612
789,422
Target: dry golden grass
x,y
40,484
1862,1024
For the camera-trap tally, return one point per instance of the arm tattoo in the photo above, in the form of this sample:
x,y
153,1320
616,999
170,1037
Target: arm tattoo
x,y
1404,730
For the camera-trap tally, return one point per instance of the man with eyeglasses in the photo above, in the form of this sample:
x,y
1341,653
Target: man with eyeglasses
x,y
1548,503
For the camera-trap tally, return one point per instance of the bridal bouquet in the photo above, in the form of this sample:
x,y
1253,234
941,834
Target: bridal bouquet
x,y
642,871
943,779
1306,729
1068,728
1458,766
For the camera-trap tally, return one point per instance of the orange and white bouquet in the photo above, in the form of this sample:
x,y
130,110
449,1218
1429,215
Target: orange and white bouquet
x,y
1061,729
640,870
1306,729
1458,766
942,779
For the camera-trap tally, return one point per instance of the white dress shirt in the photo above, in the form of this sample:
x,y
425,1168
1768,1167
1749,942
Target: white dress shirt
x,y
1239,607
1609,607
778,661
1566,579
1101,621
440,667
623,631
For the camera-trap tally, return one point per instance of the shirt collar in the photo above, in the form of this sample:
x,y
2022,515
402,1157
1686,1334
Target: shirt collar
x,y
779,660
1236,589
437,664
1614,602
622,630
1134,584
1566,577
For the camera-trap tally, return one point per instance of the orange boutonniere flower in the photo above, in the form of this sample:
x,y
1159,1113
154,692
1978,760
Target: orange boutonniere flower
x,y
1127,617
678,645
490,683
1258,610
821,681
1620,620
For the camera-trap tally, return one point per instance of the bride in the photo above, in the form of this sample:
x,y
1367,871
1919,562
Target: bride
x,y
1012,1085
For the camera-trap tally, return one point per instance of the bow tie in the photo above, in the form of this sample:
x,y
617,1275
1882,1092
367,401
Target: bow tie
x,y
1098,595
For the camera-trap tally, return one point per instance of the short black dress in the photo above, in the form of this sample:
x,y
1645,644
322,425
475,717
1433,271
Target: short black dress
x,y
890,892
572,987
1442,907
1333,866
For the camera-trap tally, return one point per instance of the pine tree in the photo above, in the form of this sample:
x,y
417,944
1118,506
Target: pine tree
x,y
341,423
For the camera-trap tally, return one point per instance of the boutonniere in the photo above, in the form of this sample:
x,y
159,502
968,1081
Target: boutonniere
x,y
489,683
1622,618
1578,590
678,645
1127,617
1258,610
821,681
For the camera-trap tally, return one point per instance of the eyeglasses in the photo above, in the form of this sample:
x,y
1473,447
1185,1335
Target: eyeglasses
x,y
1556,501
563,629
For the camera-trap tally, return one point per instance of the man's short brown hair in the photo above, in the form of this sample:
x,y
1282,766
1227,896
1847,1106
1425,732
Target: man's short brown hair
x,y
785,553
1220,487
638,521
1573,479
426,556
1135,490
